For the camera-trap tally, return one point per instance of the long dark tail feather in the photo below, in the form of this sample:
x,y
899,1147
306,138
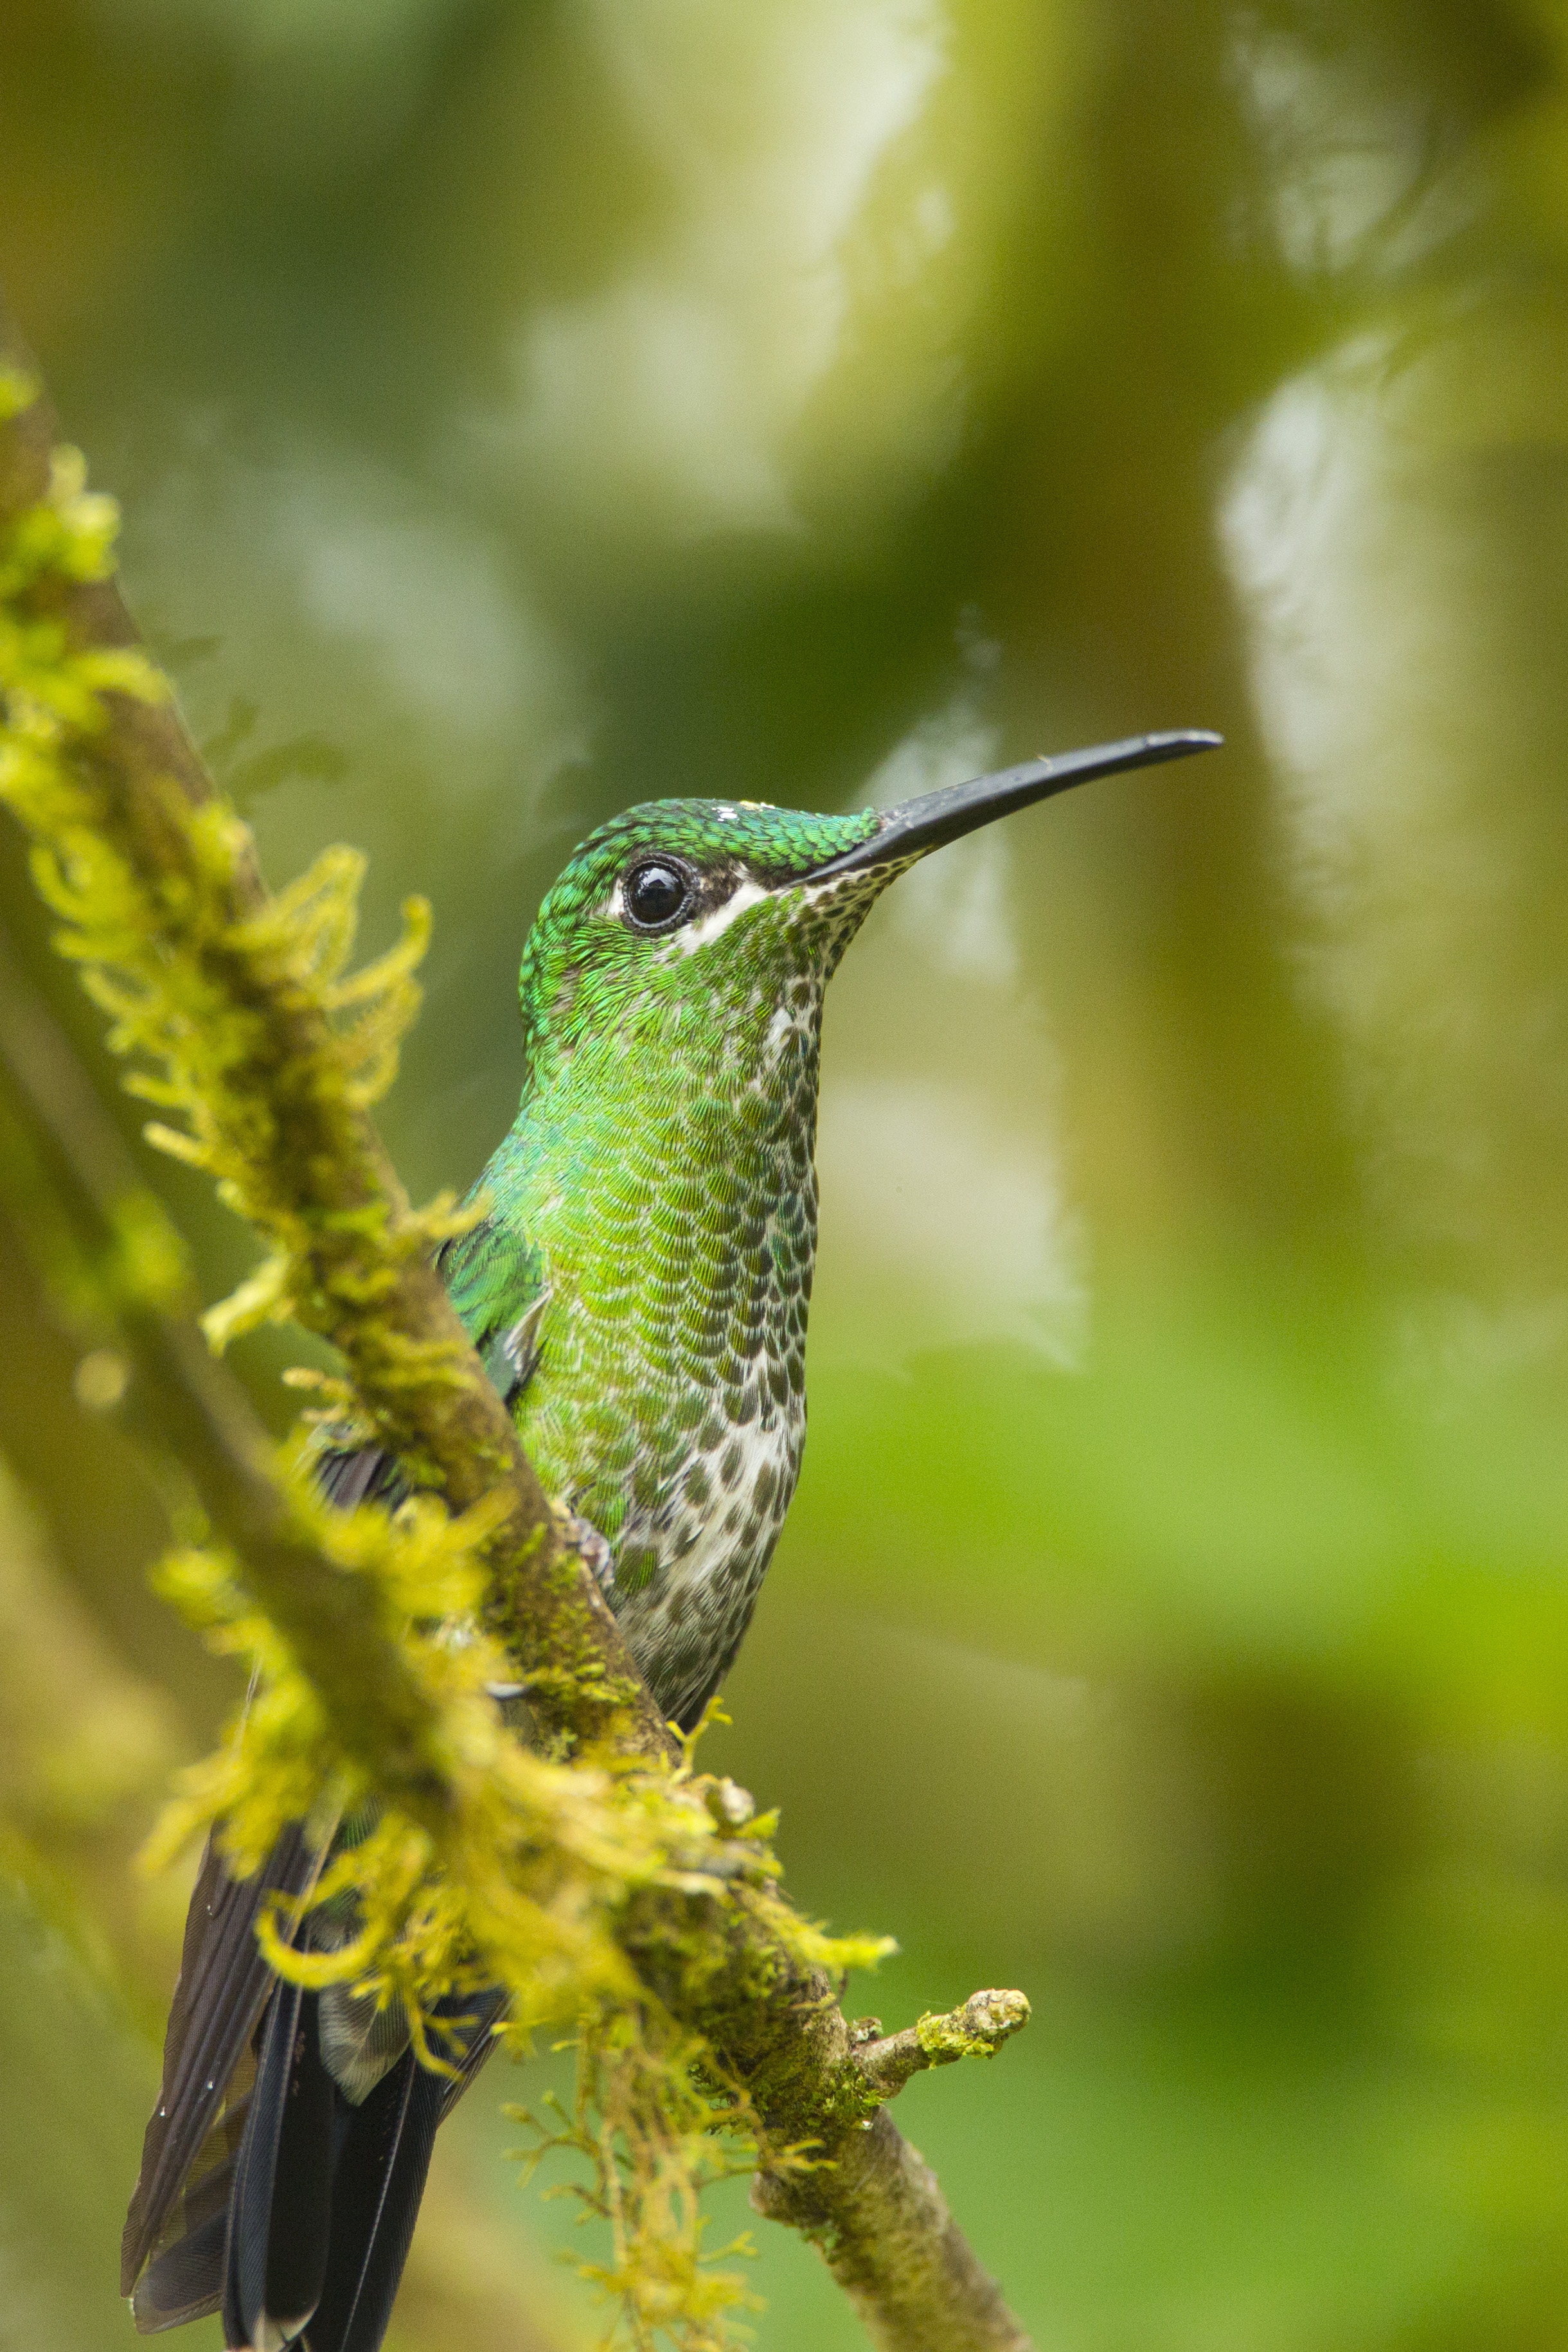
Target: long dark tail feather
x,y
326,2194
281,2210
380,2181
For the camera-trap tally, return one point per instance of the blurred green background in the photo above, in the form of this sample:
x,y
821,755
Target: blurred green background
x,y
521,409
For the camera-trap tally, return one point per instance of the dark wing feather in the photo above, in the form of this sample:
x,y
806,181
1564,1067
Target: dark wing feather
x,y
185,2283
358,1474
213,2165
222,1988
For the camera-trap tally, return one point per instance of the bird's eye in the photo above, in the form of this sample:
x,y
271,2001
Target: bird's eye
x,y
655,893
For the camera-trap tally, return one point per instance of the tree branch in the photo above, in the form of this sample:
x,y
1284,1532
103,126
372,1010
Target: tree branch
x,y
978,2029
186,1409
284,1120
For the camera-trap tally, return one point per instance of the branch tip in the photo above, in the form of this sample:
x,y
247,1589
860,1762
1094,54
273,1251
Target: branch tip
x,y
978,2029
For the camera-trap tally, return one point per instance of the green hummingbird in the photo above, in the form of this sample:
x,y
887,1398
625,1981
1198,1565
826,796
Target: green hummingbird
x,y
636,1282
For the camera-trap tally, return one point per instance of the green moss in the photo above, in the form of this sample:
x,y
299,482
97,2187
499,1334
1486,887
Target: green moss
x,y
978,2029
944,2039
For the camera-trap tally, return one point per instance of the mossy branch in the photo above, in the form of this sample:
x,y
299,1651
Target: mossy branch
x,y
978,2029
619,1886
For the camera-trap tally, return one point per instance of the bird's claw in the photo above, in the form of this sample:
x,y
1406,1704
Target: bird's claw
x,y
592,1550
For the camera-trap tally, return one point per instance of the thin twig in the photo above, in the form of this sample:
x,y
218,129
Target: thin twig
x,y
978,2029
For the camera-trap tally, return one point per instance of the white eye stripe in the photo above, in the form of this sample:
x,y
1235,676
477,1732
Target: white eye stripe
x,y
706,928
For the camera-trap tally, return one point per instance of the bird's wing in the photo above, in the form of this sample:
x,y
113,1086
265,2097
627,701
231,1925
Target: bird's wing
x,y
496,1282
173,2250
209,2068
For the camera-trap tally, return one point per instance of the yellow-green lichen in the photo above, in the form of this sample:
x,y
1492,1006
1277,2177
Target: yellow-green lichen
x,y
978,2029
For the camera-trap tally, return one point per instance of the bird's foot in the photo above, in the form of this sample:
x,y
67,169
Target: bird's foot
x,y
592,1550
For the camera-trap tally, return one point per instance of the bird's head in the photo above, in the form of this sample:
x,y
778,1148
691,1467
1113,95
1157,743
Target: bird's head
x,y
693,923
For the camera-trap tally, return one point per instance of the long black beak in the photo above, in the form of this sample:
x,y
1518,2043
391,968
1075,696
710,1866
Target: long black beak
x,y
915,827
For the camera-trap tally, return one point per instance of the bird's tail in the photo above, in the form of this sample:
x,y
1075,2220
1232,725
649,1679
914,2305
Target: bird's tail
x,y
326,2191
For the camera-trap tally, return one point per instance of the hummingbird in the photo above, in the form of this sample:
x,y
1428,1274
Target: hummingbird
x,y
635,1278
